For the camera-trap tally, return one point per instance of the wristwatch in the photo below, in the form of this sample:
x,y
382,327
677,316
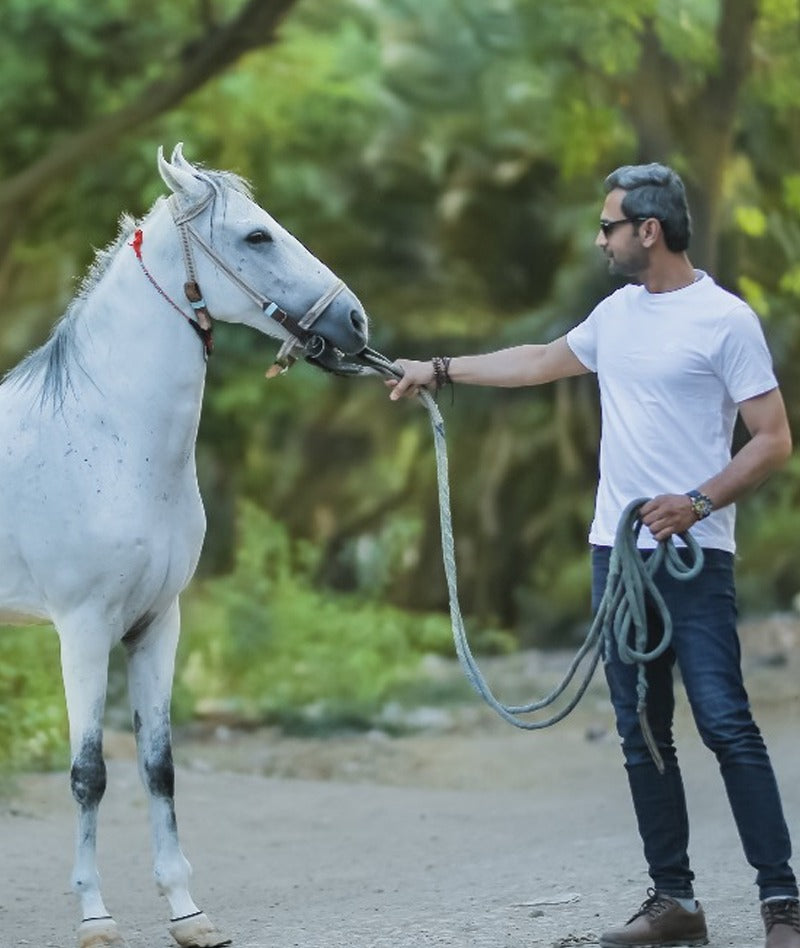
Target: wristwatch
x,y
701,505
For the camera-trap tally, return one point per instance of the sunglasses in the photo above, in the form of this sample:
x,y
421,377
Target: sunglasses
x,y
608,227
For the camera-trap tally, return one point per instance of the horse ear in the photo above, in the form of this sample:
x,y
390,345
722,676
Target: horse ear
x,y
182,179
178,159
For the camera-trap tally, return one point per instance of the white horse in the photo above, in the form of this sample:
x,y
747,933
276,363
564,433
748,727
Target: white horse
x,y
101,520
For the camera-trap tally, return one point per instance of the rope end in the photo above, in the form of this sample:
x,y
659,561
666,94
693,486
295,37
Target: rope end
x,y
644,724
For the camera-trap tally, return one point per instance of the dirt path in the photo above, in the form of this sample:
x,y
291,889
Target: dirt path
x,y
472,836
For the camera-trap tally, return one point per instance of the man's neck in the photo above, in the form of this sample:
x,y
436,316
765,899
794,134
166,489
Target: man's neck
x,y
672,271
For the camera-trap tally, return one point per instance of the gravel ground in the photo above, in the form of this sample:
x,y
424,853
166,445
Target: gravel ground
x,y
468,834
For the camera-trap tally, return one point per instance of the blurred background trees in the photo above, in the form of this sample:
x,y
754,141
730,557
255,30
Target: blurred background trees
x,y
446,159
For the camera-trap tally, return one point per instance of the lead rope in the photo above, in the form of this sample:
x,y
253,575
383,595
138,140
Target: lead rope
x,y
620,619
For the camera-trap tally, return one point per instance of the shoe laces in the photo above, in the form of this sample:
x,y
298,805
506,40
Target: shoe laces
x,y
784,912
653,906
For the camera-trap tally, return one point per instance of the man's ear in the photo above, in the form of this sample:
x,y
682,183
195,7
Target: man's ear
x,y
649,231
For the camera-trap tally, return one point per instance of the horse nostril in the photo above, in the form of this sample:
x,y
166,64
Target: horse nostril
x,y
358,321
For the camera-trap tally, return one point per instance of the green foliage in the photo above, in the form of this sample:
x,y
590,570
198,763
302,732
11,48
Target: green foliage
x,y
262,642
769,528
446,160
65,66
33,729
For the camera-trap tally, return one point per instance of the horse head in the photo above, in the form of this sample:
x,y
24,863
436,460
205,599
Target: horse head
x,y
253,271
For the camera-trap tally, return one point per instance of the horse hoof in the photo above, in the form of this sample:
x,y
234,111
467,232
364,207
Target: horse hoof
x,y
100,933
197,931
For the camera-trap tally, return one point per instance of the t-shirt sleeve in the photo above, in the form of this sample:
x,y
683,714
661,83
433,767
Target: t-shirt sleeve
x,y
582,339
741,357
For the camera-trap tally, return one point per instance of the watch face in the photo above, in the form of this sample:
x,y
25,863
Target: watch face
x,y
701,505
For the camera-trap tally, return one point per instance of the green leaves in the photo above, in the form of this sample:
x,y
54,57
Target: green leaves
x,y
446,159
33,721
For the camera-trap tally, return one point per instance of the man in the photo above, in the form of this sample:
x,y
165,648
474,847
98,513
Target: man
x,y
676,358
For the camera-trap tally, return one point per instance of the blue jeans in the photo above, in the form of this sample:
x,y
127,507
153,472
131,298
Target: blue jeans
x,y
705,645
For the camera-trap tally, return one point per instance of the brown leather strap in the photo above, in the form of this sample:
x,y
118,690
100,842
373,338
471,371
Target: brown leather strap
x,y
290,323
193,294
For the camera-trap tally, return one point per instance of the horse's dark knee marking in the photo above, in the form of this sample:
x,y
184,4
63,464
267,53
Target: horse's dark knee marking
x,y
88,772
155,748
160,771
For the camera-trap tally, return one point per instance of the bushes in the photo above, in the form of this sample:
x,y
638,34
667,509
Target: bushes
x,y
262,642
33,720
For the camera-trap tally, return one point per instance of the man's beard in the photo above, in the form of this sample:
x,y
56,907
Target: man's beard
x,y
630,268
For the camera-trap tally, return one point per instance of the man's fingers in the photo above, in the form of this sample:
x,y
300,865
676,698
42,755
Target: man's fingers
x,y
400,388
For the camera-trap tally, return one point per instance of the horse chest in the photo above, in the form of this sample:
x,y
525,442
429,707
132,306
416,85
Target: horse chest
x,y
111,509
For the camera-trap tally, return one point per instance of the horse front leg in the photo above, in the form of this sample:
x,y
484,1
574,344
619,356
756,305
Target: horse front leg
x,y
84,668
151,664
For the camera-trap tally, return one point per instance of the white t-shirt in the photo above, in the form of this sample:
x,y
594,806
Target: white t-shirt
x,y
672,368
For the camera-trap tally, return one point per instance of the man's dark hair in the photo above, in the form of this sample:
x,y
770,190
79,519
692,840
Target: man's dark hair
x,y
655,191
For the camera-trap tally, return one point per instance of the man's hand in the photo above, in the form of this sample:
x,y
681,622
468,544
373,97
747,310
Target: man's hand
x,y
667,515
416,375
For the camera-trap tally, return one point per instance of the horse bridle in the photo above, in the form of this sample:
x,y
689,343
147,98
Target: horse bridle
x,y
366,362
299,329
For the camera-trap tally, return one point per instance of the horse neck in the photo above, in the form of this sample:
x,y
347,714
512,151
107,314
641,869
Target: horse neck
x,y
137,352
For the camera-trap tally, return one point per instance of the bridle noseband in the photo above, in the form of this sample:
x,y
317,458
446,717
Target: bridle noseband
x,y
299,329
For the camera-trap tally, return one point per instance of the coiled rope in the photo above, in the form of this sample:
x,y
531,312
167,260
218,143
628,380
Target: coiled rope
x,y
620,620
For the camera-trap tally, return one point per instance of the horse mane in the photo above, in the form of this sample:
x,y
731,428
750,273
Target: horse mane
x,y
52,364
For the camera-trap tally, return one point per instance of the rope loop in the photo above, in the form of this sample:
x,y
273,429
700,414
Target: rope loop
x,y
621,619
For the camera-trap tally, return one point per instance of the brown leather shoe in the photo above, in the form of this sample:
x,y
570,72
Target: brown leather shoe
x,y
662,923
782,921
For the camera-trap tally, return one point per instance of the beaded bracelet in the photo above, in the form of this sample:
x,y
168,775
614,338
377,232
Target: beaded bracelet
x,y
441,372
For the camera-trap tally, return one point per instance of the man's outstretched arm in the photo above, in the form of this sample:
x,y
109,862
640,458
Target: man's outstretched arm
x,y
505,368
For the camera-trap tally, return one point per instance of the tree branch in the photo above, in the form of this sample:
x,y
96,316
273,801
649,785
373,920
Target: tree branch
x,y
254,26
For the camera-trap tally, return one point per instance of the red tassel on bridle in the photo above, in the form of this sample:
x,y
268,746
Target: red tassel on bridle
x,y
136,243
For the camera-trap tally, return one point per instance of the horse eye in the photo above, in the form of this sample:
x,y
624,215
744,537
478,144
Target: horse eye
x,y
259,237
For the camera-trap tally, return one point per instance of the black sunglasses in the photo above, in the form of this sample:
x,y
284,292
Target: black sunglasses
x,y
608,227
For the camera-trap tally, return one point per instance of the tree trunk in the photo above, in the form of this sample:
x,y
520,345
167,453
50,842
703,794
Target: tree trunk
x,y
699,130
710,133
